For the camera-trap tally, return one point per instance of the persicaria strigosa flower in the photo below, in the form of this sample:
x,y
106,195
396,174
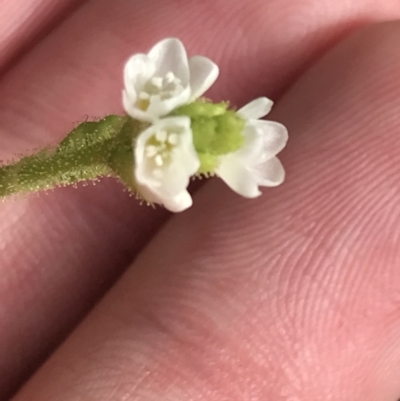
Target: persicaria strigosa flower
x,y
164,79
165,159
255,164
188,136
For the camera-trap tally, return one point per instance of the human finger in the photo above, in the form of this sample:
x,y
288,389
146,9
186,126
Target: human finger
x,y
292,296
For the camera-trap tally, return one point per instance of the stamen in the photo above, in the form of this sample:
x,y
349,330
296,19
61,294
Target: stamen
x,y
159,87
173,139
159,160
143,104
170,77
151,150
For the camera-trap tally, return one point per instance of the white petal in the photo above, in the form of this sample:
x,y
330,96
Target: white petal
x,y
257,108
129,103
263,140
147,194
132,110
179,203
252,150
138,69
274,136
169,55
270,173
203,73
237,176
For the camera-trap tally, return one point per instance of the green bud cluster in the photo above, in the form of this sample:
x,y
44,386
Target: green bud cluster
x,y
216,131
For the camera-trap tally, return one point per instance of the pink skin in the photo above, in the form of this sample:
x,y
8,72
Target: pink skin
x,y
293,296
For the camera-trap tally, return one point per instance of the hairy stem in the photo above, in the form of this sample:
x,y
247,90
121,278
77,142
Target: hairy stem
x,y
90,151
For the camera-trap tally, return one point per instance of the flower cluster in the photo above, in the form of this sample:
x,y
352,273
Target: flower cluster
x,y
187,136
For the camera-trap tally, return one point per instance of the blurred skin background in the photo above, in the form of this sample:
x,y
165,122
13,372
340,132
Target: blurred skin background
x,y
293,296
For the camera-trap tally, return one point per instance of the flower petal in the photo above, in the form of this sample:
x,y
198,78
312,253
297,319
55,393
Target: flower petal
x,y
169,55
161,107
237,176
273,134
253,148
203,73
179,203
129,103
270,173
257,108
138,69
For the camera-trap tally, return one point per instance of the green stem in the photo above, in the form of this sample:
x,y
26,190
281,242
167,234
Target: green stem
x,y
47,170
91,151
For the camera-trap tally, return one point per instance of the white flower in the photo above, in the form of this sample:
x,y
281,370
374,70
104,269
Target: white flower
x,y
164,79
255,163
165,159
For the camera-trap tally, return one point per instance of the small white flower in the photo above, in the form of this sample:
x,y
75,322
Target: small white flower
x,y
164,79
165,159
255,163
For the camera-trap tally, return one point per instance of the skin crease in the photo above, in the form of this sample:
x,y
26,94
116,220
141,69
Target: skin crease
x,y
292,296
24,22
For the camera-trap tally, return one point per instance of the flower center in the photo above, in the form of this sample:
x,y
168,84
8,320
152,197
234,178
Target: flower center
x,y
162,87
158,151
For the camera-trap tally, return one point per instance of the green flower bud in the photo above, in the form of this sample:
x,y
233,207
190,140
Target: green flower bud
x,y
201,108
216,131
208,164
